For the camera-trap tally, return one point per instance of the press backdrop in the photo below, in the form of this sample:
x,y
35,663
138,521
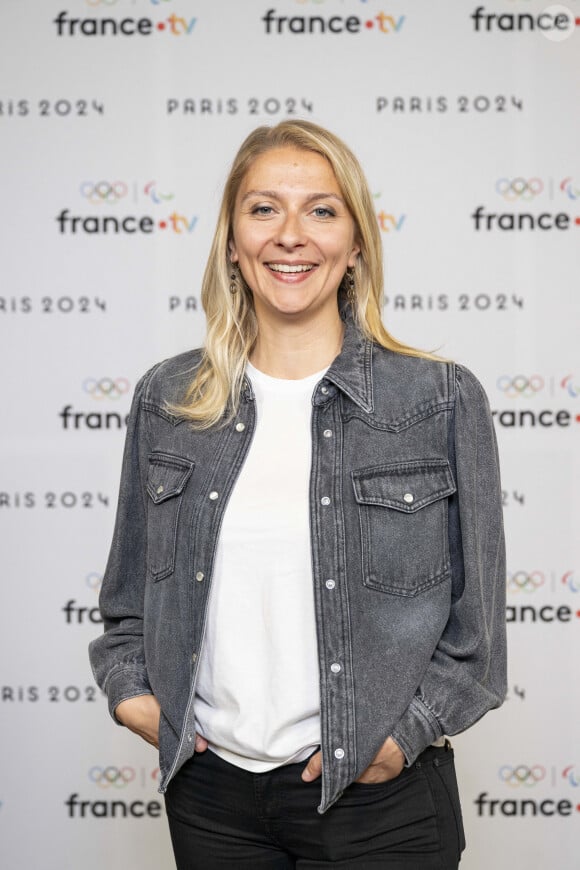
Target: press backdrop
x,y
118,120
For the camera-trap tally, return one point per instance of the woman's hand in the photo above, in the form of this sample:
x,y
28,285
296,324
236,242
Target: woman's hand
x,y
387,764
200,743
141,715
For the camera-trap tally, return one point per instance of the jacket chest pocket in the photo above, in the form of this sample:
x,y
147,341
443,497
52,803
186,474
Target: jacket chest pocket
x,y
166,479
403,522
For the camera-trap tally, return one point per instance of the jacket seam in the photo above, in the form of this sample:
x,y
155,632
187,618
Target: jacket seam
x,y
406,423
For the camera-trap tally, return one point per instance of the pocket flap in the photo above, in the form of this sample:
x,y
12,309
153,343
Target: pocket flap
x,y
167,475
404,486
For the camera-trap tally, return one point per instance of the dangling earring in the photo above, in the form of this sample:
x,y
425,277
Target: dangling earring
x,y
235,278
350,285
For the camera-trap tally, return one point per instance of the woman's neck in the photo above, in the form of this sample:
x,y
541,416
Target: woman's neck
x,y
296,351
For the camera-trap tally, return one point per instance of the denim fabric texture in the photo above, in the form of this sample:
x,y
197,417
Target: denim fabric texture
x,y
406,521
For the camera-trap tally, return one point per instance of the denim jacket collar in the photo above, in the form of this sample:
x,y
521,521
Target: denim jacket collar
x,y
351,371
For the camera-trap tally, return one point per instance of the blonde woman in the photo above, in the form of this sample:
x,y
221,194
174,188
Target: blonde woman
x,y
305,590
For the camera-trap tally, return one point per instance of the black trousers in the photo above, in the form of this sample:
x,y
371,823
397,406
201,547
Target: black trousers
x,y
222,817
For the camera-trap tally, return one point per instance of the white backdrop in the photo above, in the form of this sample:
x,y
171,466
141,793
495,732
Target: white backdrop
x,y
118,120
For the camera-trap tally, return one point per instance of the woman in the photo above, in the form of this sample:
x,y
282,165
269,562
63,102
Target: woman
x,y
339,494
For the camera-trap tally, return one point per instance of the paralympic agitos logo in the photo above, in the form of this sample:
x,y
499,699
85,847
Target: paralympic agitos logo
x,y
117,196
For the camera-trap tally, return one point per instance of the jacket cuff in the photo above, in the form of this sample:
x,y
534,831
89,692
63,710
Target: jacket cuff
x,y
126,681
417,728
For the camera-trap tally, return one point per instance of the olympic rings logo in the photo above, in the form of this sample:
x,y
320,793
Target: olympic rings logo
x,y
106,388
519,188
103,191
572,389
567,187
521,581
94,580
520,385
522,775
107,777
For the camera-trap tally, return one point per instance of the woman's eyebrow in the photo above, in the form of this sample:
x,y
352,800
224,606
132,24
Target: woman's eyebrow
x,y
271,194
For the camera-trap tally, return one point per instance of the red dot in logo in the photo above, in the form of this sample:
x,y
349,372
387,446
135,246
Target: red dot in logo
x,y
578,807
369,24
163,225
578,418
577,22
578,221
161,26
578,614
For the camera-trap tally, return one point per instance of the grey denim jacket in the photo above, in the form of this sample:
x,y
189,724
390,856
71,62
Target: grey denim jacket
x,y
407,555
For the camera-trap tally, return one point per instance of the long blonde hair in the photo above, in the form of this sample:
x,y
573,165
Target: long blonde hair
x,y
232,327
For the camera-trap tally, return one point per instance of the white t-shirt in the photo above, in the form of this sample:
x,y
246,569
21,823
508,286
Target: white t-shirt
x,y
257,695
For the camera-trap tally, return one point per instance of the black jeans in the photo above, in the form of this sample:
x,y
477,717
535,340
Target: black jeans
x,y
222,817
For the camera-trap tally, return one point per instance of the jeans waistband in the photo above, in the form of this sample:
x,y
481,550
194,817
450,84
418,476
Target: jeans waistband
x,y
431,753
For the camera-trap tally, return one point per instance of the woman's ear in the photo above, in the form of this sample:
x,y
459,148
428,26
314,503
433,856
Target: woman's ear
x,y
355,251
232,251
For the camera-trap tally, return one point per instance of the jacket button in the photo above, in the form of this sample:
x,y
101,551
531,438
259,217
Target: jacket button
x,y
199,576
240,427
159,489
339,753
327,433
325,500
324,391
330,584
213,495
409,498
335,668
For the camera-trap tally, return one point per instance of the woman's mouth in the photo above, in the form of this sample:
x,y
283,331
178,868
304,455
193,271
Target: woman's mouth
x,y
288,269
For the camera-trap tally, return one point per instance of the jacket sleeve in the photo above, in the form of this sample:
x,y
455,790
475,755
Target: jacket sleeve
x,y
466,676
117,656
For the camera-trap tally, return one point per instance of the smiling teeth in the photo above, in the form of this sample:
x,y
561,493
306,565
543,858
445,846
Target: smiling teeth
x,y
282,267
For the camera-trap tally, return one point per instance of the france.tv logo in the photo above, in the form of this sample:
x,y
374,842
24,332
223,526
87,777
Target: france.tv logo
x,y
380,22
121,25
161,213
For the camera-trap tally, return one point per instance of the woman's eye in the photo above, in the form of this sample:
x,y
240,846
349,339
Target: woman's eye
x,y
322,212
262,210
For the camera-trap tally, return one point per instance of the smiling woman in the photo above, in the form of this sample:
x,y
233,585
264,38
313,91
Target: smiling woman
x,y
293,238
305,590
301,162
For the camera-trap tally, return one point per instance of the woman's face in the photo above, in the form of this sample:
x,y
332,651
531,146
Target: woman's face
x,y
293,236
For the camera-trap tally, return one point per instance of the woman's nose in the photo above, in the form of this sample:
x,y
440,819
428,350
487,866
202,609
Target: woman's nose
x,y
290,231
